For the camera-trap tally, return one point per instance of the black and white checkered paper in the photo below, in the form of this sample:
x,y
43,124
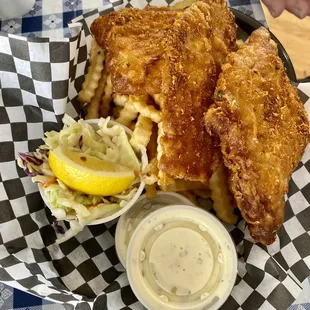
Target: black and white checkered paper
x,y
39,82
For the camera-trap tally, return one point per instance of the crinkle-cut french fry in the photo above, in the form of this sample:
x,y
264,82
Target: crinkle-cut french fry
x,y
150,190
182,185
152,146
223,201
94,105
160,134
94,50
95,68
163,179
142,132
120,100
191,197
149,174
132,126
203,193
159,100
115,111
106,98
127,115
140,105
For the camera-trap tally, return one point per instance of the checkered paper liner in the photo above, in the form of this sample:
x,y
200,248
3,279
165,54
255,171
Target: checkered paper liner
x,y
39,82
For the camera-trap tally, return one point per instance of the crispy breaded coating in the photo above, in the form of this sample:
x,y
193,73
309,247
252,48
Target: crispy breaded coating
x,y
135,41
223,35
200,41
188,84
263,131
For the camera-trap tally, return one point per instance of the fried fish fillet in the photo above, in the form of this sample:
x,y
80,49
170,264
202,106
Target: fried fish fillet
x,y
135,41
173,55
223,34
189,78
195,50
263,130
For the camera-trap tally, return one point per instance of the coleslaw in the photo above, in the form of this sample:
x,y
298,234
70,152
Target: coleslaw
x,y
110,143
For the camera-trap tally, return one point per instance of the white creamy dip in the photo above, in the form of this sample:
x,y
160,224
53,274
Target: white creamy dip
x,y
181,257
181,265
128,222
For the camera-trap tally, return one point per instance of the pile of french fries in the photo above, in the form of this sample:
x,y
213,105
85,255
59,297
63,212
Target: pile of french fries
x,y
142,114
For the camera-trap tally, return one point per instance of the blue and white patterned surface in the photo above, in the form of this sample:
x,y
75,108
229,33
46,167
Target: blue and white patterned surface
x,y
16,299
49,18
303,301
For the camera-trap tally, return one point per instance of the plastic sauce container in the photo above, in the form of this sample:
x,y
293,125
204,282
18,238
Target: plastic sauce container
x,y
181,257
128,222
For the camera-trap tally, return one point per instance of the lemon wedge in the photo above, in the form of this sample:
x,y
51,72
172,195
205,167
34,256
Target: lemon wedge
x,y
89,174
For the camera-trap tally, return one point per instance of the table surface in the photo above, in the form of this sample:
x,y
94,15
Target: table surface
x,y
293,33
49,18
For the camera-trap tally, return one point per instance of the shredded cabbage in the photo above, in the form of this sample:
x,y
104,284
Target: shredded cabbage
x,y
110,143
117,134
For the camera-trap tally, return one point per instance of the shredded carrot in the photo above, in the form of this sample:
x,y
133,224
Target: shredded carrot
x,y
48,183
89,207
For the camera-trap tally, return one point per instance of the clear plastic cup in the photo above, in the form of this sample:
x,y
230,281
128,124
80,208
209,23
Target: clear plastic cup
x,y
181,258
128,222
